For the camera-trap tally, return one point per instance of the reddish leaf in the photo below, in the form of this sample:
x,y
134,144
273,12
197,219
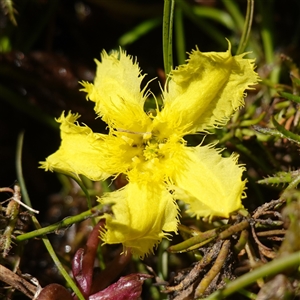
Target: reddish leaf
x,y
126,288
83,261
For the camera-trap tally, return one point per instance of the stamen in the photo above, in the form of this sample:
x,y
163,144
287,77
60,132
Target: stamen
x,y
134,132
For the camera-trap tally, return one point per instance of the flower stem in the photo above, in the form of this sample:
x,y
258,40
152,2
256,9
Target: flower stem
x,y
57,262
19,169
38,226
168,34
61,224
247,27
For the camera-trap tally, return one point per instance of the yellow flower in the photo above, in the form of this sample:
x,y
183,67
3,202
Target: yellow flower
x,y
150,149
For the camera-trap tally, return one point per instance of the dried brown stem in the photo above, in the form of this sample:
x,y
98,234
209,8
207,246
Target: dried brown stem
x,y
195,272
17,282
216,268
271,232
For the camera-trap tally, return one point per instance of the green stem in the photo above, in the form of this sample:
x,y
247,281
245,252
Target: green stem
x,y
240,25
62,224
247,27
38,226
163,259
19,169
167,35
274,267
57,262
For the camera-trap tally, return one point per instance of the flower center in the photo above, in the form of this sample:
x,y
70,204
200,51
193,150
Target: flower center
x,y
151,150
149,147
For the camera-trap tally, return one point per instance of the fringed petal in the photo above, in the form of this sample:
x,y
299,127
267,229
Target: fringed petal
x,y
79,152
211,184
207,90
117,92
143,214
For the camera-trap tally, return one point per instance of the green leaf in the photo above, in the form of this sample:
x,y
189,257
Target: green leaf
x,y
138,31
289,135
290,96
218,15
279,178
295,80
